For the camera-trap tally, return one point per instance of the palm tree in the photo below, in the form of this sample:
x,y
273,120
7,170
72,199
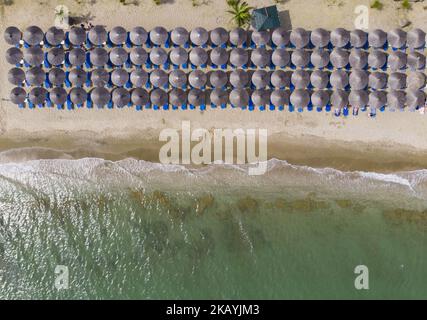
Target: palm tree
x,y
240,11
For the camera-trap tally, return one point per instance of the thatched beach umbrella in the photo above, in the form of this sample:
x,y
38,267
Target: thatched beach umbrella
x,y
14,55
197,79
178,56
77,77
118,35
320,37
119,77
319,58
397,60
198,56
16,76
415,99
138,36
378,80
280,79
239,78
416,80
358,59
261,38
180,36
159,36
319,79
260,98
358,38
377,38
340,37
280,37
219,97
12,35
396,38
300,79
35,76
377,59
416,61
280,58
196,97
320,98
76,56
33,35
98,57
159,78
58,96
300,98
56,56
18,95
239,98
359,79
377,99
219,36
120,97
97,35
300,38
339,79
100,96
238,37
416,39
397,81
239,57
54,36
199,36
158,97
300,58
280,98
139,97
158,56
56,76
34,56
396,99
219,56
177,97
139,77
77,36
37,95
339,58
260,79
339,99
358,98
138,56
218,79
100,77
119,56
178,79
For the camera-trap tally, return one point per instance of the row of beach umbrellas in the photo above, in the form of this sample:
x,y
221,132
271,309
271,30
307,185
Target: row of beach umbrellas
x,y
218,37
218,57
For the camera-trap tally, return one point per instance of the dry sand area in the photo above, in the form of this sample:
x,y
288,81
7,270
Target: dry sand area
x,y
389,142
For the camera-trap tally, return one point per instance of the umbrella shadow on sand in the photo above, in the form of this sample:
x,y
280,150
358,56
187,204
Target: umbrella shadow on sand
x,y
285,19
77,20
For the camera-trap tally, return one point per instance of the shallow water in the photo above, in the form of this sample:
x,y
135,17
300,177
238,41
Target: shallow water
x,y
134,229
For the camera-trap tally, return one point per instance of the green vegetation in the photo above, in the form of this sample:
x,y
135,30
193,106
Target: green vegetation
x,y
406,5
241,12
377,5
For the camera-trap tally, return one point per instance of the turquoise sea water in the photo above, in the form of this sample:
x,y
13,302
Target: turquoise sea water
x,y
133,229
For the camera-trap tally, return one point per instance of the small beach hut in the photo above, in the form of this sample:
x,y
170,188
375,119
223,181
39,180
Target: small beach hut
x,y
100,96
14,56
299,38
180,36
239,78
119,56
340,37
265,18
119,77
378,80
138,36
77,36
239,57
178,79
358,59
416,39
199,36
218,79
319,79
138,56
120,97
33,35
260,79
320,37
55,36
239,98
97,35
159,79
358,38
118,35
280,37
280,58
159,36
377,38
281,79
197,79
238,37
139,78
12,35
397,81
18,96
16,76
319,58
35,76
300,79
359,79
396,38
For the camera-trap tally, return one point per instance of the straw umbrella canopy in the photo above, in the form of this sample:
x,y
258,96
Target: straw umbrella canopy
x,y
196,97
300,58
359,79
178,78
158,97
178,56
396,38
18,95
320,58
397,81
339,79
339,58
180,36
98,57
219,97
260,79
300,38
100,77
358,59
138,36
280,98
377,99
158,56
97,35
319,79
58,96
198,56
416,80
377,38
377,59
197,79
218,79
199,36
159,36
320,37
219,36
280,79
118,35
358,98
14,55
33,56
118,56
139,77
56,76
238,37
77,36
397,60
77,77
119,77
100,96
138,56
396,99
378,80
260,97
37,95
120,97
239,57
300,79
261,38
77,56
300,98
358,38
177,97
35,76
416,61
339,99
12,35
139,97
340,37
280,37
219,56
280,58
416,39
239,78
320,98
33,35
54,36
415,98
239,98
159,78
56,56
16,76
